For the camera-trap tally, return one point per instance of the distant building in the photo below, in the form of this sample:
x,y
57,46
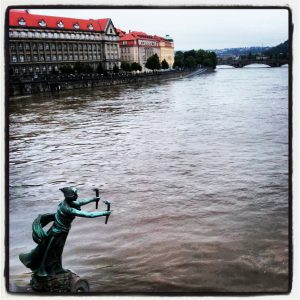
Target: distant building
x,y
39,44
137,46
166,46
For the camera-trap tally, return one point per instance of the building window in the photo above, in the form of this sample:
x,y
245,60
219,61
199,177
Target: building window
x,y
50,35
70,47
42,57
37,35
22,22
44,68
15,34
34,46
35,58
17,70
23,70
12,47
75,47
20,46
80,47
76,26
28,58
61,35
30,34
30,69
37,69
91,27
65,46
55,35
21,58
48,58
59,57
71,57
59,47
41,46
53,46
65,57
54,57
14,58
23,34
75,57
43,35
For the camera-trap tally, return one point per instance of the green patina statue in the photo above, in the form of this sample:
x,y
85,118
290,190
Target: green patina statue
x,y
46,258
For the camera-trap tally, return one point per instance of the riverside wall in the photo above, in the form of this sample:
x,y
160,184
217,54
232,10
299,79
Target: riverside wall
x,y
18,87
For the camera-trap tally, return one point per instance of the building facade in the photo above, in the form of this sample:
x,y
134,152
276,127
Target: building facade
x,y
40,44
166,46
138,46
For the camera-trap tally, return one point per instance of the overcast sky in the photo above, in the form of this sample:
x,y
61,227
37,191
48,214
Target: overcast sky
x,y
195,28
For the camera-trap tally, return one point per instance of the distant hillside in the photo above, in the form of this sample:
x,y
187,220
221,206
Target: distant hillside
x,y
240,51
281,49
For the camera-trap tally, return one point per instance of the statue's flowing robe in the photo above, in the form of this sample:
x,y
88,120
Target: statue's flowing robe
x,y
45,259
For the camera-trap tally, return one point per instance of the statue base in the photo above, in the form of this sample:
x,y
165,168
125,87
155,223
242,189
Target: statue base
x,y
60,283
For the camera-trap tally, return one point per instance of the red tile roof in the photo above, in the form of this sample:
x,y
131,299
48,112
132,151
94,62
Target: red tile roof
x,y
30,20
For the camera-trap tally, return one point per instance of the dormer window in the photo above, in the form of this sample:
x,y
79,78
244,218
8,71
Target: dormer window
x,y
91,27
60,24
76,26
22,22
42,23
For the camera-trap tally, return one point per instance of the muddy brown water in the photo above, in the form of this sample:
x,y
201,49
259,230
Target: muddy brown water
x,y
196,170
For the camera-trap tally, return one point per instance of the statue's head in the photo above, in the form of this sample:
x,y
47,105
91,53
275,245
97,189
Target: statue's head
x,y
70,193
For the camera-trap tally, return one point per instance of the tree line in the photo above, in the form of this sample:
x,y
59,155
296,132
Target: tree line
x,y
193,58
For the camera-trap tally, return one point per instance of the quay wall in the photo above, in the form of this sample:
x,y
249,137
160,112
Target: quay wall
x,y
18,87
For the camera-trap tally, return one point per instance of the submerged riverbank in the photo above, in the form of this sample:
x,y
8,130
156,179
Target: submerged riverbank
x,y
51,83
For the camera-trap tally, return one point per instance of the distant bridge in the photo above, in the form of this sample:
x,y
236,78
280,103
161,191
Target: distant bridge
x,y
239,63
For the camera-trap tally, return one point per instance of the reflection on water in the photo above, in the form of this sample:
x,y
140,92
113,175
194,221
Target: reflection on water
x,y
196,170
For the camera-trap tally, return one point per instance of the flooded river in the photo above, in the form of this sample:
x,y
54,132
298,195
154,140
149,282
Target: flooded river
x,y
196,170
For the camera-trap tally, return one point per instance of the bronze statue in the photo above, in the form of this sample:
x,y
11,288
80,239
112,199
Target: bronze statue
x,y
45,259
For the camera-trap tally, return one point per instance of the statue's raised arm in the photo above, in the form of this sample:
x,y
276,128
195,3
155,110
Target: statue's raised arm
x,y
46,258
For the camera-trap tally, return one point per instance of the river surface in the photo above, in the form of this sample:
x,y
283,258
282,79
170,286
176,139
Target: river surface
x,y
196,170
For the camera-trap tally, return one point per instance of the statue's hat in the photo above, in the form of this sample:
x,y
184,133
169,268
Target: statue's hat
x,y
69,192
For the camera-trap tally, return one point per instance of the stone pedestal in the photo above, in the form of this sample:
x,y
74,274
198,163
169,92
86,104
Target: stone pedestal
x,y
61,283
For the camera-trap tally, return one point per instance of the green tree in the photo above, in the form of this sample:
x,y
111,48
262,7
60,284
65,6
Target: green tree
x,y
190,62
126,67
116,69
178,60
66,69
164,65
153,63
136,66
100,69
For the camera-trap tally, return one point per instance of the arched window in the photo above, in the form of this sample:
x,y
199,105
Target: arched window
x,y
60,24
42,23
22,22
